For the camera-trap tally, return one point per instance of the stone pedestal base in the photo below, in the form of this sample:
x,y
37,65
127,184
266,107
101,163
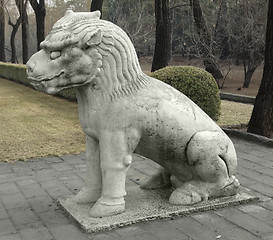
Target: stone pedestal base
x,y
145,205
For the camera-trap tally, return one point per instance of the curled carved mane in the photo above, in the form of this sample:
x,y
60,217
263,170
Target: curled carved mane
x,y
118,69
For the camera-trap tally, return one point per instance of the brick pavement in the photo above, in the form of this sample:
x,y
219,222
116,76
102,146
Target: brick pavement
x,y
28,209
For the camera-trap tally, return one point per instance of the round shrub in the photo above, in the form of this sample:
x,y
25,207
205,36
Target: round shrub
x,y
196,83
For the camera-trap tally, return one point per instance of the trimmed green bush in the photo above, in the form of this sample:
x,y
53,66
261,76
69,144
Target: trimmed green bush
x,y
196,83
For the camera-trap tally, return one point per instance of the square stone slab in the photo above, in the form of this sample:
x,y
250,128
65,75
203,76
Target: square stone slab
x,y
145,205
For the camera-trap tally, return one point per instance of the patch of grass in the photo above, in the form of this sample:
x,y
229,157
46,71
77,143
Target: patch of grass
x,y
234,114
34,124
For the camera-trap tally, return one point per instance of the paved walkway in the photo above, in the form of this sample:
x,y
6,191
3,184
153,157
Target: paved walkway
x,y
28,209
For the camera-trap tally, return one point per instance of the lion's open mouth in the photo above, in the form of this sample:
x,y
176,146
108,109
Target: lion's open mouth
x,y
44,83
39,79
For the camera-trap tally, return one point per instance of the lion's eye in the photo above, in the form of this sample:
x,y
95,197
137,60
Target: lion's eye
x,y
55,54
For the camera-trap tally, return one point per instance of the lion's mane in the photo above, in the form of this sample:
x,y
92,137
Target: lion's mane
x,y
116,60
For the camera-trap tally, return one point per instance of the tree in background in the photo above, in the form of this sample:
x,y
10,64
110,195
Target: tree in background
x,y
2,31
246,28
40,13
15,27
22,7
96,5
136,18
261,121
162,49
206,42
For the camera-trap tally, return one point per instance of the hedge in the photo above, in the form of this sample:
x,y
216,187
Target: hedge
x,y
195,83
17,73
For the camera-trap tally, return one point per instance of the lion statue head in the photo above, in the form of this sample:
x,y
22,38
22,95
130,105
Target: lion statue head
x,y
83,49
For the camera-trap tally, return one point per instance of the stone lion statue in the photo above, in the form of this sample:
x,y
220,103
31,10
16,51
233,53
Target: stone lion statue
x,y
123,111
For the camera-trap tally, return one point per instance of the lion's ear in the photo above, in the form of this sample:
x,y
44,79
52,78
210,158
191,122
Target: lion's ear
x,y
91,38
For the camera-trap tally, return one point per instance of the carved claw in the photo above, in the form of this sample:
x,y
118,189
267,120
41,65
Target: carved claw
x,y
179,197
103,210
231,188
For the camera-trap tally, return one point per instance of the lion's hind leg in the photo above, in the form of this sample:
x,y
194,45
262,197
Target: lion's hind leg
x,y
213,158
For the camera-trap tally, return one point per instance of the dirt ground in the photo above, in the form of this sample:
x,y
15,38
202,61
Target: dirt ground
x,y
234,74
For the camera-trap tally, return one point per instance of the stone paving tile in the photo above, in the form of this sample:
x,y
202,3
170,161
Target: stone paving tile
x,y
128,231
74,159
245,181
43,204
7,227
22,183
262,161
53,218
144,236
103,236
29,190
11,237
7,168
223,227
265,179
50,183
251,165
22,170
59,191
267,204
194,229
74,185
52,159
7,177
136,176
163,229
23,216
245,221
258,212
33,190
40,233
43,174
61,166
262,189
67,232
8,188
14,201
263,152
3,213
268,236
36,165
267,171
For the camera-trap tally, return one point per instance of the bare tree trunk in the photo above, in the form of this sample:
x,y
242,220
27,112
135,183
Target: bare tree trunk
x,y
25,33
15,27
22,7
2,32
96,5
40,13
249,70
163,35
261,121
210,61
220,32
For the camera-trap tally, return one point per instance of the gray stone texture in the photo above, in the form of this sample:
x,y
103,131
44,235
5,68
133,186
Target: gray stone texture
x,y
37,216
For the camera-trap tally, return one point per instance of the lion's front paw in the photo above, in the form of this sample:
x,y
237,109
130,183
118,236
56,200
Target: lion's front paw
x,y
103,210
180,197
86,196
